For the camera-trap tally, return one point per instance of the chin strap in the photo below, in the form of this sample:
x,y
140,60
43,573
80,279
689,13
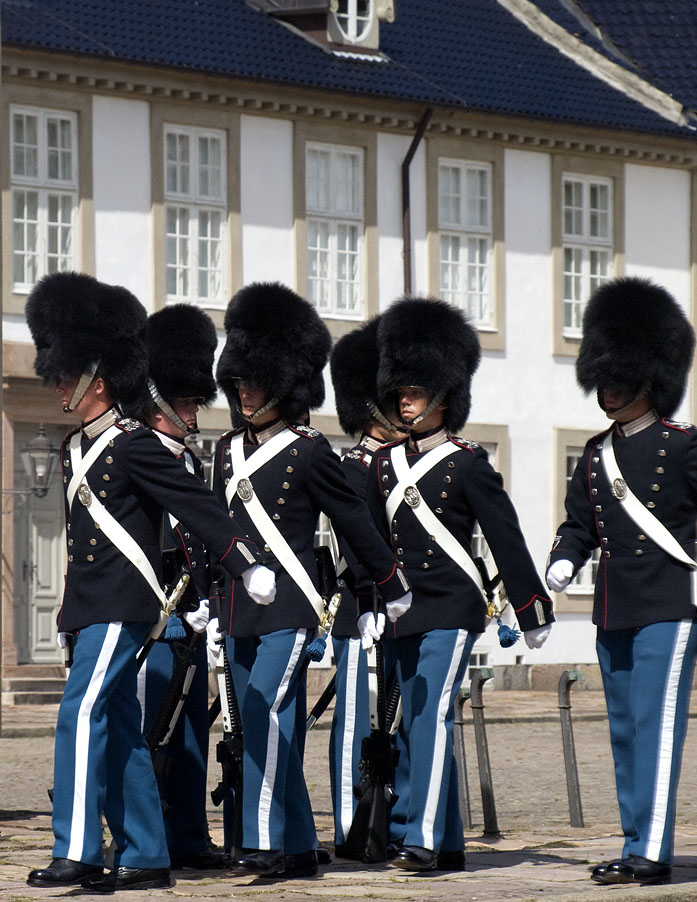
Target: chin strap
x,y
378,415
168,411
433,403
642,393
257,413
81,387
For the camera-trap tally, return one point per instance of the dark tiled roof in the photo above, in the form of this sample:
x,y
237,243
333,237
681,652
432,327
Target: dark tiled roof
x,y
471,54
656,39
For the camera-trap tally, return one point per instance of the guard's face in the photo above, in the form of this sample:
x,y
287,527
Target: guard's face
x,y
187,409
412,401
252,398
65,387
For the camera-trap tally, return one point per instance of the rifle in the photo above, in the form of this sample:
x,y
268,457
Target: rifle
x,y
171,706
367,837
228,751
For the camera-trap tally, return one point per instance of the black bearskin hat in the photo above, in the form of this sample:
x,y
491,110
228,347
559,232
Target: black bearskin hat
x,y
277,341
354,368
637,337
429,343
76,322
181,341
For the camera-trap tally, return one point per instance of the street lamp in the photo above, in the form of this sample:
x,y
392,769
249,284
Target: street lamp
x,y
38,457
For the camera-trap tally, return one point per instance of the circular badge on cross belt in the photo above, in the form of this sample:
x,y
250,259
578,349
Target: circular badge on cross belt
x,y
619,489
245,490
412,496
84,494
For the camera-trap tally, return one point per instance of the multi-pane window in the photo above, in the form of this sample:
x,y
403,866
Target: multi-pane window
x,y
465,237
584,580
353,18
195,211
334,210
587,243
43,150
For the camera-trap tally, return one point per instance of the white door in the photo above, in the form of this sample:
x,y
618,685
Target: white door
x,y
47,554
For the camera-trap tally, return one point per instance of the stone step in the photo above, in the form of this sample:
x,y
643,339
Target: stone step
x,y
31,698
32,684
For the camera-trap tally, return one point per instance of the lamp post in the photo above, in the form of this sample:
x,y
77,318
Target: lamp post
x,y
38,457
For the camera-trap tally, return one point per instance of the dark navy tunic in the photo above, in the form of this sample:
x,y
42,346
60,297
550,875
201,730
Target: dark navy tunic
x,y
136,478
637,582
302,480
460,489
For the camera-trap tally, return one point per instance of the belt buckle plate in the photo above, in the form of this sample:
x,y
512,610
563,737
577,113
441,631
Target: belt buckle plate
x,y
245,490
412,496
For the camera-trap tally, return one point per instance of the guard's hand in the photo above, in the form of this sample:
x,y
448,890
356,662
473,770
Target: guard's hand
x,y
198,619
214,639
370,628
399,606
62,640
260,583
536,638
559,575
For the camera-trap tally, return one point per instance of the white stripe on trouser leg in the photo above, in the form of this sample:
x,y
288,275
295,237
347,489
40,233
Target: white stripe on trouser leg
x,y
140,691
82,741
440,741
267,783
666,743
346,789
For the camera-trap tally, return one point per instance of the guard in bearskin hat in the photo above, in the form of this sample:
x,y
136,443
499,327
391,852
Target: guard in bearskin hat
x,y
354,367
181,341
633,497
275,475
118,479
425,493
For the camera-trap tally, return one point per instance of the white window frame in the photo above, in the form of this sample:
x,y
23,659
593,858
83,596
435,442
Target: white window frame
x,y
55,238
473,238
354,23
326,278
584,581
587,247
186,207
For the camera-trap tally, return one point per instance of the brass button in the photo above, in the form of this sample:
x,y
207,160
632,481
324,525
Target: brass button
x,y
281,501
594,491
227,452
266,549
448,479
439,510
386,493
227,480
598,508
599,446
106,477
593,475
111,443
443,494
394,536
193,564
601,523
65,479
425,566
227,465
385,463
286,486
595,460
102,494
276,517
661,453
66,463
294,452
290,469
400,551
187,535
109,459
70,558
606,553
665,434
93,541
430,551
638,552
232,513
650,505
90,557
189,549
660,471
70,542
69,527
655,488
431,538
641,538
604,540
451,464
385,477
97,526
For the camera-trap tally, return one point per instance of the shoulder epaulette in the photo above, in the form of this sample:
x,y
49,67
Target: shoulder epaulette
x,y
465,443
307,431
231,432
354,454
678,424
128,424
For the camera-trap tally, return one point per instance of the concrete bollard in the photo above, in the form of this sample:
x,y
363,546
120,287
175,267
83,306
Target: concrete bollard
x,y
567,736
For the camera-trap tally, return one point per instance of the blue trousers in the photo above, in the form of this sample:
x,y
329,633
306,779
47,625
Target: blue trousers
x,y
102,763
647,676
183,784
430,668
350,724
269,677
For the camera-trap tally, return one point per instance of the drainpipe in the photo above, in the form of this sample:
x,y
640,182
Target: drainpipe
x,y
406,201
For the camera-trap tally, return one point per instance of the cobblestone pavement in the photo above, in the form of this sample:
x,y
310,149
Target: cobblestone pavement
x,y
538,856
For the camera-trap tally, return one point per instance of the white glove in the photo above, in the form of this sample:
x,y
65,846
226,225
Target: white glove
x,y
198,619
370,629
559,575
260,583
399,606
62,640
214,639
536,638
